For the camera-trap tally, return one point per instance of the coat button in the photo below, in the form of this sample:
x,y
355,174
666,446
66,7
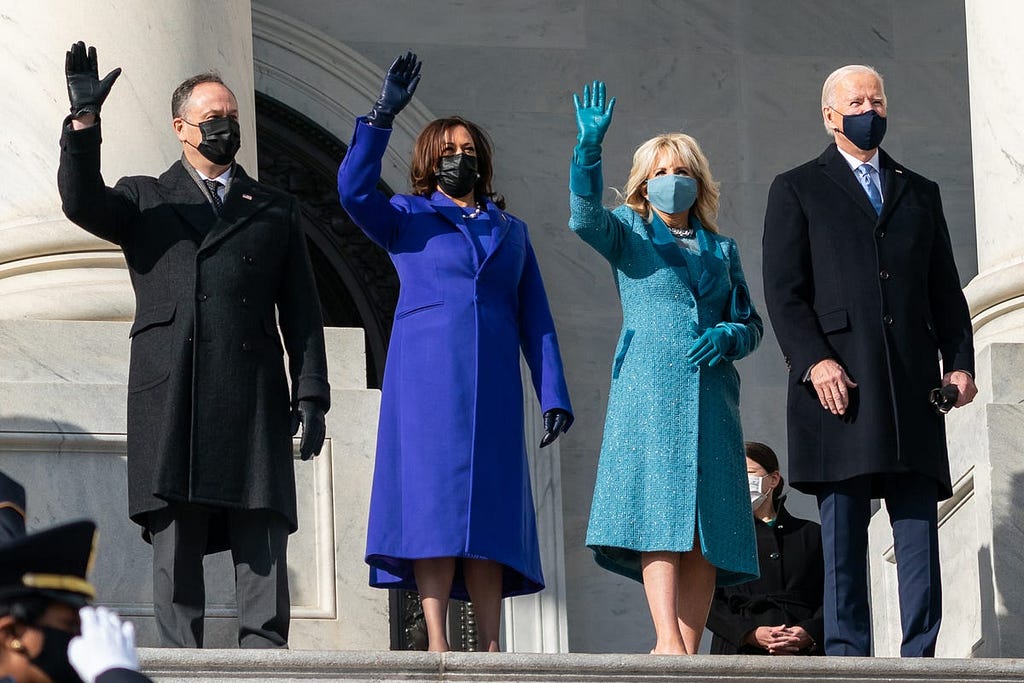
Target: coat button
x,y
202,297
774,556
246,346
880,234
247,258
189,340
884,275
887,319
245,301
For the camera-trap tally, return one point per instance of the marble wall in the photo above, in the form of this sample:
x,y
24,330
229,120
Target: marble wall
x,y
744,77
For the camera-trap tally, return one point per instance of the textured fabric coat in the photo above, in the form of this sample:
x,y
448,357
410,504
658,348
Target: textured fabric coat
x,y
451,476
881,295
672,458
789,591
209,409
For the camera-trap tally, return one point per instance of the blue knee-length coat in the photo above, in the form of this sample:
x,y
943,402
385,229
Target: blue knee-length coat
x,y
451,477
672,461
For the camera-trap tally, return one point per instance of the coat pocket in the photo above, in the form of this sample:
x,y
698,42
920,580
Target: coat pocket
x,y
152,345
834,321
417,309
620,353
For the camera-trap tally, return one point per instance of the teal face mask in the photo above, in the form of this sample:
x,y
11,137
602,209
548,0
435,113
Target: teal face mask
x,y
672,193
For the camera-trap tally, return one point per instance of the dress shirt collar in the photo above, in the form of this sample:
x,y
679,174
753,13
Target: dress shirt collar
x,y
856,163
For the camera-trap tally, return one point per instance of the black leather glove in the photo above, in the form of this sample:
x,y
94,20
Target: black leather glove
x,y
556,421
399,85
314,428
85,89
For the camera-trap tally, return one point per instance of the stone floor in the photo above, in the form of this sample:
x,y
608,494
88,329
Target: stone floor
x,y
199,666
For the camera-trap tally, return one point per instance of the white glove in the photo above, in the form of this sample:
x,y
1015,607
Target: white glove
x,y
106,643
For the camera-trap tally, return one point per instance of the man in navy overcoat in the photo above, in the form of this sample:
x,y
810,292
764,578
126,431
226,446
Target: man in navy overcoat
x,y
865,300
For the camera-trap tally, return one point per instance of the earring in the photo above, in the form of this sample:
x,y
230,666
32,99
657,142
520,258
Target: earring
x,y
17,645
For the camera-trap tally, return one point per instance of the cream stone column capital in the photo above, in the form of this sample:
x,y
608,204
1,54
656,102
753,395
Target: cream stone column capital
x,y
49,268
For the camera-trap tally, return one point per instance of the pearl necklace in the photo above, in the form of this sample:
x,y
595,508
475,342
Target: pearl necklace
x,y
681,233
469,216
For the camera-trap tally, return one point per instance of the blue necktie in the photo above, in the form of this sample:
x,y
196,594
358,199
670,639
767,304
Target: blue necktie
x,y
874,196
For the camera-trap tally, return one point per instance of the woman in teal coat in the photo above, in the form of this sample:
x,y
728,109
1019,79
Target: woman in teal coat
x,y
671,507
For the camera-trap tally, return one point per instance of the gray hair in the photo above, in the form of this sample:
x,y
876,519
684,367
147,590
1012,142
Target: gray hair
x,y
828,90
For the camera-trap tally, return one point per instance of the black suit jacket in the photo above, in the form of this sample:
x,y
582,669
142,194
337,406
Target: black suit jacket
x,y
881,295
789,591
208,400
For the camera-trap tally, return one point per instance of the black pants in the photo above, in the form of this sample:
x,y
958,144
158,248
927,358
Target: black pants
x,y
259,546
845,509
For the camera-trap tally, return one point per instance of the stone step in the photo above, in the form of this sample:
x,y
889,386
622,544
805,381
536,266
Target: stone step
x,y
245,666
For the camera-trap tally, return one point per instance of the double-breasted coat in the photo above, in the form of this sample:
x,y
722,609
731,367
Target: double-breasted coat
x,y
881,295
209,407
789,591
672,460
451,477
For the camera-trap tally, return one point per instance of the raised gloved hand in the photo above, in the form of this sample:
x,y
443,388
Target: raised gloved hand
x,y
314,428
400,83
592,121
556,421
85,89
106,643
712,347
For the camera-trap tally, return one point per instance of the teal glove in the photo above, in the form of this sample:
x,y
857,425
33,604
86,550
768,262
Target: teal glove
x,y
712,347
592,121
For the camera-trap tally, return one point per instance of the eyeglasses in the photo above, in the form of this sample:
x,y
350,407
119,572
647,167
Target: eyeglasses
x,y
943,399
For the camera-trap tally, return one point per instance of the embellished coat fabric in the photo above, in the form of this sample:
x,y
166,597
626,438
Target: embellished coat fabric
x,y
672,463
881,295
451,477
209,406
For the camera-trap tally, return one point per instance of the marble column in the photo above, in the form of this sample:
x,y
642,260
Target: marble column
x,y
49,268
981,537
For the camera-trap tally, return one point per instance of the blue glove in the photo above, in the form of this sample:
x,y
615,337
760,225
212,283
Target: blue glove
x,y
556,421
592,121
399,85
712,347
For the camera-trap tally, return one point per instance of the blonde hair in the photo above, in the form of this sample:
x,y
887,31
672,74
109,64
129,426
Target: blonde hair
x,y
828,89
688,151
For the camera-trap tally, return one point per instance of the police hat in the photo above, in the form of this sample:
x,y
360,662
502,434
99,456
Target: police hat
x,y
12,509
52,563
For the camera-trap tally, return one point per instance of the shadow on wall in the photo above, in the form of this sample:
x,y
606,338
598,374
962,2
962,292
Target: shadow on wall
x,y
1005,603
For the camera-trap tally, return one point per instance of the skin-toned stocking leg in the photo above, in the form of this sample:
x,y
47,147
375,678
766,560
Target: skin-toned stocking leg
x,y
434,581
660,572
483,580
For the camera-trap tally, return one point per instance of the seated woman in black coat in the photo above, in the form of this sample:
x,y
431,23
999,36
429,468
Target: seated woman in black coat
x,y
781,612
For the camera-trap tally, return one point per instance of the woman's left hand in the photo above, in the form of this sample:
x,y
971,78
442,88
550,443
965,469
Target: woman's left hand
x,y
556,421
711,347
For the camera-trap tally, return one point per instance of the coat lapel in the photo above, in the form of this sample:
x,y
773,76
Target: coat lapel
x,y
187,199
500,225
453,214
894,182
245,198
835,167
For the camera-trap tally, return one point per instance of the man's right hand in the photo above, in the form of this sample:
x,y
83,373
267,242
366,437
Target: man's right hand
x,y
85,89
833,385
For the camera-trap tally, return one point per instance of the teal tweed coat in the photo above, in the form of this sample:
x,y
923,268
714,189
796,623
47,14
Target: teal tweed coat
x,y
672,463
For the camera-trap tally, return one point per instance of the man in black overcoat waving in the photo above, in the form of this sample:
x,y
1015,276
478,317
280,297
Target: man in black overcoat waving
x,y
865,300
212,255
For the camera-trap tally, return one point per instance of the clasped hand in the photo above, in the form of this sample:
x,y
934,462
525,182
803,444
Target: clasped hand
x,y
712,347
592,121
780,640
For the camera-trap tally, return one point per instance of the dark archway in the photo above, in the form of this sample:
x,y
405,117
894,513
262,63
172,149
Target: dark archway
x,y
356,281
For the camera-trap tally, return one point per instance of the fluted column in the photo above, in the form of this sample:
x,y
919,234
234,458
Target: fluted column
x,y
50,268
996,68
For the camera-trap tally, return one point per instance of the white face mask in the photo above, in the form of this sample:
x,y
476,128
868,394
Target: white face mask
x,y
757,492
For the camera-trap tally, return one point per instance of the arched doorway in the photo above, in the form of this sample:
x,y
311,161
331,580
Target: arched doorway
x,y
357,284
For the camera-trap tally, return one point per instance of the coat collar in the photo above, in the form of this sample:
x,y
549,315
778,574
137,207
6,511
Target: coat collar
x,y
244,199
500,224
893,177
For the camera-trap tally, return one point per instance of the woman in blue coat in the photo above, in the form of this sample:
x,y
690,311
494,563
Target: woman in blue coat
x,y
451,511
670,504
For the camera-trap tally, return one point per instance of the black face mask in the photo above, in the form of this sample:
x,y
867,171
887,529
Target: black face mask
x,y
864,130
221,139
53,658
457,174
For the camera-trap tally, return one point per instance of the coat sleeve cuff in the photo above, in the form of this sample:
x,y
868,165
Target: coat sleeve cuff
x,y
77,141
313,389
585,181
